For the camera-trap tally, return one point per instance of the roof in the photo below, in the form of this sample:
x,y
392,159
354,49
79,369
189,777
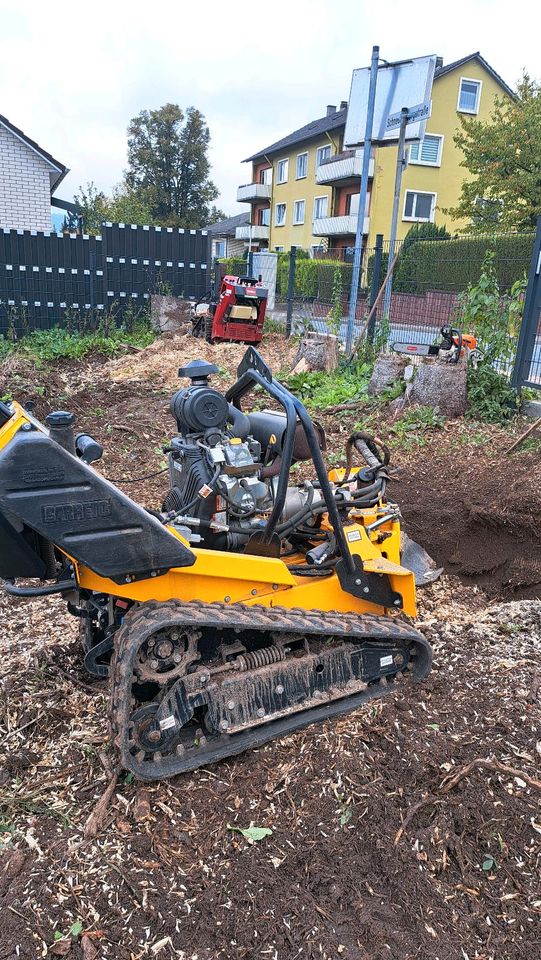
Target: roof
x,y
314,129
448,67
226,228
58,170
338,119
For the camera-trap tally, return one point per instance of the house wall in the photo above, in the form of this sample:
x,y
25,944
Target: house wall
x,y
445,180
306,189
25,191
233,247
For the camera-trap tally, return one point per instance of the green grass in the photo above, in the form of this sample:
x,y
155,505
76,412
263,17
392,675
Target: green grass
x,y
415,426
60,344
274,325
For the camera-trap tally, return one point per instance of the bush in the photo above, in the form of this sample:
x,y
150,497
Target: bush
x,y
493,319
319,390
313,278
234,266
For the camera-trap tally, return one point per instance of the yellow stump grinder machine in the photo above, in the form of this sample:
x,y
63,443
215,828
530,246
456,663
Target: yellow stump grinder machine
x,y
246,608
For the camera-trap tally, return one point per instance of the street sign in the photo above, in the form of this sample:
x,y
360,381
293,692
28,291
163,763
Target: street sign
x,y
421,111
403,84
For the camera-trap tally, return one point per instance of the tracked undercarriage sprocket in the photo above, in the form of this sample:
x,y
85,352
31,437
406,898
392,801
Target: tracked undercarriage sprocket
x,y
234,677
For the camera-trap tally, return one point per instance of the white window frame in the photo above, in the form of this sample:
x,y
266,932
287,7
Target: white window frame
x,y
414,219
278,162
477,102
283,222
349,199
426,163
218,243
301,176
278,249
324,196
326,146
296,222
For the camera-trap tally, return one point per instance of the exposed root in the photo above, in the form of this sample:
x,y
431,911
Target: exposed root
x,y
449,783
94,822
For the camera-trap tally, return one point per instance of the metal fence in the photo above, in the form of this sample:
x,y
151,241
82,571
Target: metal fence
x,y
527,369
58,279
429,281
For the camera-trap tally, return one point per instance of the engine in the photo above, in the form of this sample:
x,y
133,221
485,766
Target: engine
x,y
224,467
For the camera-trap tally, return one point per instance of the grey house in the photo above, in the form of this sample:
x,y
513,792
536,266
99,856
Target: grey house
x,y
28,178
222,235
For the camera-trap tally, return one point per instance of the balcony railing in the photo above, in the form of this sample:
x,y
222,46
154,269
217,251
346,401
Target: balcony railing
x,y
343,166
252,192
257,232
338,226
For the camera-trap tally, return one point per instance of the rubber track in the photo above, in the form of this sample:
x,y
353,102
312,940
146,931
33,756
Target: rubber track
x,y
141,621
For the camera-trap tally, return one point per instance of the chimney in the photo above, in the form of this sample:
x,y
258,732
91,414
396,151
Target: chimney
x,y
331,108
439,63
343,104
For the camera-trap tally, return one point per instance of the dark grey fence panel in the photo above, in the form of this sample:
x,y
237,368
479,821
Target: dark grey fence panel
x,y
48,279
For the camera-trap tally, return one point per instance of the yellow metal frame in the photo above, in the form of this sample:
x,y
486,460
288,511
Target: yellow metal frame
x,y
241,578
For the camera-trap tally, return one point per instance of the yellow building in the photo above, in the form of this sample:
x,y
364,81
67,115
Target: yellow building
x,y
305,188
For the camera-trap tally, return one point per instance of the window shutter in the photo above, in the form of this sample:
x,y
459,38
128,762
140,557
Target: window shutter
x,y
430,149
468,95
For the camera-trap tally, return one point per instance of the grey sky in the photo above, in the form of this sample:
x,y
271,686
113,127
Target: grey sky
x,y
72,75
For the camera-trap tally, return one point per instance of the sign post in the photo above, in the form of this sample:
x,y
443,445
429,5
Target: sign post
x,y
400,164
377,97
367,150
406,116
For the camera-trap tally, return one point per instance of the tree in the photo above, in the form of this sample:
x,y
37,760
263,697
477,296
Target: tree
x,y
168,165
503,157
93,206
124,206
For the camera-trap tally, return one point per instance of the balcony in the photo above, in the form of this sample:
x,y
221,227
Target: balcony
x,y
257,232
343,167
254,192
337,226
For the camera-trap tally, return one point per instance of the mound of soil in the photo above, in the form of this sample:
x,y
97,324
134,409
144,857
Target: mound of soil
x,y
478,516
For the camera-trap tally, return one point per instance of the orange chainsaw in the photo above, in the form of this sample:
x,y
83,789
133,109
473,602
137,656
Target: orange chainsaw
x,y
453,344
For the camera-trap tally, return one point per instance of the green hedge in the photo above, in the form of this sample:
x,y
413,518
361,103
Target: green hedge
x,y
313,278
452,264
234,266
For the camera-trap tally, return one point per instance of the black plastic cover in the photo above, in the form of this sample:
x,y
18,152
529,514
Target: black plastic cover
x,y
72,506
5,413
18,557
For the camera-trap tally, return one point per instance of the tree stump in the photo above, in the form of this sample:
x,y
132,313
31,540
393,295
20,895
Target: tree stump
x,y
170,314
442,385
387,369
317,351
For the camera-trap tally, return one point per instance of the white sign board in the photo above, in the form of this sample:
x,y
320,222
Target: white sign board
x,y
404,84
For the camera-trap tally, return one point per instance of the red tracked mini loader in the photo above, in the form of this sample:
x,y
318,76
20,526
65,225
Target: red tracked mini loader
x,y
236,314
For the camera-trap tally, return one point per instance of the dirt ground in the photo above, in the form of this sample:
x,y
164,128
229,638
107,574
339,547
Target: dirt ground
x,y
389,839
